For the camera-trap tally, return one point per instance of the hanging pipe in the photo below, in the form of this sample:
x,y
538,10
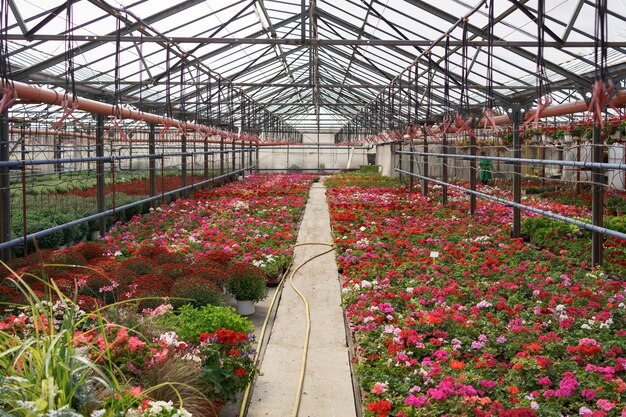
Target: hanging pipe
x,y
619,100
34,94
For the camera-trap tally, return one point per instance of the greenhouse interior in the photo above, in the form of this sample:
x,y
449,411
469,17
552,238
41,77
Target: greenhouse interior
x,y
351,208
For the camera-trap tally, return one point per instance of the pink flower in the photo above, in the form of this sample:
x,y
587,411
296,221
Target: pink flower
x,y
589,394
487,383
135,343
605,405
135,391
544,381
415,401
379,388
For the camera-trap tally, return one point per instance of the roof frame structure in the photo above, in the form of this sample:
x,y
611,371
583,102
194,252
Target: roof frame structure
x,y
315,63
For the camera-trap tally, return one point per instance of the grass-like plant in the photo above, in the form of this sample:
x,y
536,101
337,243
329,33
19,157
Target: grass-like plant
x,y
46,368
41,369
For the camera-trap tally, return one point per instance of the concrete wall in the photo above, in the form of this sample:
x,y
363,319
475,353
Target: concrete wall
x,y
296,158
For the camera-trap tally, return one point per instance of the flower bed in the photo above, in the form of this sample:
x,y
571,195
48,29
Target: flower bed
x,y
450,316
129,355
254,220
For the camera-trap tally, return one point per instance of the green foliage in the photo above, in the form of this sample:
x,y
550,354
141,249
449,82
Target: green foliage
x,y
544,229
43,371
190,321
617,223
246,282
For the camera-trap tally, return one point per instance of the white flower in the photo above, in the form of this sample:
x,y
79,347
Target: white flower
x,y
98,413
586,327
362,228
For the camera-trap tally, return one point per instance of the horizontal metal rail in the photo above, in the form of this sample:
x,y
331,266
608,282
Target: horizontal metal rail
x,y
20,241
545,213
19,163
582,164
309,42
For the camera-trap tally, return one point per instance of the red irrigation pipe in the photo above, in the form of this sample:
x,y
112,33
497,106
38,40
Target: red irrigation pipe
x,y
34,94
619,100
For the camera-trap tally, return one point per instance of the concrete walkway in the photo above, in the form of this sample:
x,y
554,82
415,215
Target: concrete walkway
x,y
327,388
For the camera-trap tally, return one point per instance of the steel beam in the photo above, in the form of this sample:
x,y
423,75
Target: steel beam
x,y
5,186
94,43
390,43
435,10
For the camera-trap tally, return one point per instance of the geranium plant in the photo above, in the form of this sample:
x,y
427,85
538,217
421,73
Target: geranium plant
x,y
229,362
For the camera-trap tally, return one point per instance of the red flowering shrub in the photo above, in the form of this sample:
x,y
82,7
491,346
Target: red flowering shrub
x,y
150,290
209,264
170,258
150,251
139,264
518,412
172,270
8,293
220,257
246,282
67,257
216,276
90,250
29,260
197,291
123,276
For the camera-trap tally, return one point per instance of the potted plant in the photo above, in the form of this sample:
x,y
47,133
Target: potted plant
x,y
228,362
246,283
563,134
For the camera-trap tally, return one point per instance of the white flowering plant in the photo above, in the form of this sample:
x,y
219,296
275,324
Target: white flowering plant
x,y
151,408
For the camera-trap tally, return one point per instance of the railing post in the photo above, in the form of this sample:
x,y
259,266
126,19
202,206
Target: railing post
x,y
5,184
100,180
411,164
183,160
257,159
425,166
234,156
152,163
206,158
397,149
221,155
444,169
597,203
473,169
517,173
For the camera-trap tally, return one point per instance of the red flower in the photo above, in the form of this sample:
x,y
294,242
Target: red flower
x,y
240,373
382,408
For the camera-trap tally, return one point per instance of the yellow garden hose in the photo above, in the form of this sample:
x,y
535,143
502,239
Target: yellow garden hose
x,y
305,349
244,402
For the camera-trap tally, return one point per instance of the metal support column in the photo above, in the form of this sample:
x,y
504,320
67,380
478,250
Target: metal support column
x,y
234,156
444,170
183,160
473,170
242,161
398,149
152,162
425,170
221,155
205,158
411,165
597,203
100,180
517,174
257,159
5,184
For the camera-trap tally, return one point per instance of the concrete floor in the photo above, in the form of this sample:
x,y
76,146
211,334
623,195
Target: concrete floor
x,y
327,387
